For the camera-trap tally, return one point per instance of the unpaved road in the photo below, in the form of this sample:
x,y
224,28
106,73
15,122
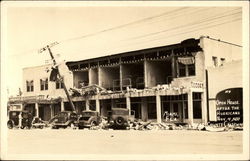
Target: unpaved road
x,y
68,141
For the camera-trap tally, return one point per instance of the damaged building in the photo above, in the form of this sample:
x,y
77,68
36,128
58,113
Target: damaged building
x,y
150,82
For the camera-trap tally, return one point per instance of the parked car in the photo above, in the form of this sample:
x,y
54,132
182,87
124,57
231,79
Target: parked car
x,y
14,117
119,118
64,119
38,123
89,119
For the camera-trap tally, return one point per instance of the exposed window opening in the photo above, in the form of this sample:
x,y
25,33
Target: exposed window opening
x,y
186,66
222,61
30,86
44,84
59,84
215,61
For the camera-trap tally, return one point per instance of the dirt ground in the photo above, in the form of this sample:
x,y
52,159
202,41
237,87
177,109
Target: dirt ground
x,y
69,141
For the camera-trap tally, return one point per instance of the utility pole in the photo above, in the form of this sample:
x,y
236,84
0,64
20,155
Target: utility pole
x,y
58,72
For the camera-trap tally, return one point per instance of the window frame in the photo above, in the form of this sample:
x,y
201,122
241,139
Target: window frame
x,y
44,84
29,86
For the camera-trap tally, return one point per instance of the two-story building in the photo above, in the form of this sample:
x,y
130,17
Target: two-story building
x,y
149,81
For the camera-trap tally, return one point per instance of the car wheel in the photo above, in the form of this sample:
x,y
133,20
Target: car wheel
x,y
80,127
10,124
93,123
54,127
119,121
22,127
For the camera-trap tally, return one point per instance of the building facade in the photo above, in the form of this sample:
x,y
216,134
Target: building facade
x,y
150,82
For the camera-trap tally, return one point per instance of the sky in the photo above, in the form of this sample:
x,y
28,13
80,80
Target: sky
x,y
88,32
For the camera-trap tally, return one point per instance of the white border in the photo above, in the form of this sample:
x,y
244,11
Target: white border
x,y
243,4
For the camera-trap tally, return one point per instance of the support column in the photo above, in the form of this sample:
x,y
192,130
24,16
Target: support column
x,y
51,111
62,106
173,65
158,108
87,104
190,107
145,73
121,77
97,105
204,107
37,109
144,109
128,103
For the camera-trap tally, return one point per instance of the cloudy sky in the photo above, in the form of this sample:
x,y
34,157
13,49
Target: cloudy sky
x,y
87,32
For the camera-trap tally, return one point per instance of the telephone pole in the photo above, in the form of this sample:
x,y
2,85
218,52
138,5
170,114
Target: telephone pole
x,y
58,72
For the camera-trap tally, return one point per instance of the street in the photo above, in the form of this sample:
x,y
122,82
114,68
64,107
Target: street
x,y
69,141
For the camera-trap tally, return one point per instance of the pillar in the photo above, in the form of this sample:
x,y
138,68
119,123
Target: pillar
x,y
121,83
158,108
128,104
51,111
190,107
62,106
145,73
97,105
37,109
204,107
144,109
87,104
173,65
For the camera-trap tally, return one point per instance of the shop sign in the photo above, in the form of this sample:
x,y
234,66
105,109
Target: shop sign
x,y
229,106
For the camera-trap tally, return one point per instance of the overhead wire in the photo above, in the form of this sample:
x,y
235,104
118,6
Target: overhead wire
x,y
189,24
122,26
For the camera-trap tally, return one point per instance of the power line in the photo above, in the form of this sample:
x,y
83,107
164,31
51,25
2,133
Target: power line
x,y
221,41
211,26
189,24
124,25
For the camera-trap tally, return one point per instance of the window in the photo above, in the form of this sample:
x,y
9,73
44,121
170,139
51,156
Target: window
x,y
44,84
186,66
59,84
215,61
197,105
30,86
222,61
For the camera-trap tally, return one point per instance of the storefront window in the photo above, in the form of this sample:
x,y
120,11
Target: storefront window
x,y
197,105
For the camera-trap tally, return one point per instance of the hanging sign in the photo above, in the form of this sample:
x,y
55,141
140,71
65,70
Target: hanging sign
x,y
229,106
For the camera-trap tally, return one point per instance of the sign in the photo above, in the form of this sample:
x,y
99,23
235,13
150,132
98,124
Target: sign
x,y
229,106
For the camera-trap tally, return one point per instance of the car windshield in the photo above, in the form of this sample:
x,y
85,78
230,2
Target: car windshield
x,y
120,112
63,114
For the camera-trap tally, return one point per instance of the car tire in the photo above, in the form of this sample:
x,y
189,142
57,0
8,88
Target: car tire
x,y
10,124
80,127
119,121
93,123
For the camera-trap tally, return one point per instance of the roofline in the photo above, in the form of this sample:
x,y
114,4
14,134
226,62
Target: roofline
x,y
135,52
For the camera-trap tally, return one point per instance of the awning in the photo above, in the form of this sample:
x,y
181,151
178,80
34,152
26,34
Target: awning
x,y
186,60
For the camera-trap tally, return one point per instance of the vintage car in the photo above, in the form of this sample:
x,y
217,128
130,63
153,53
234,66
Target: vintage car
x,y
89,119
119,118
38,123
16,115
64,119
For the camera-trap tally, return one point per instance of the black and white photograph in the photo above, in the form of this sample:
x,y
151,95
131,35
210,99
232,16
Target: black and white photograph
x,y
128,80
